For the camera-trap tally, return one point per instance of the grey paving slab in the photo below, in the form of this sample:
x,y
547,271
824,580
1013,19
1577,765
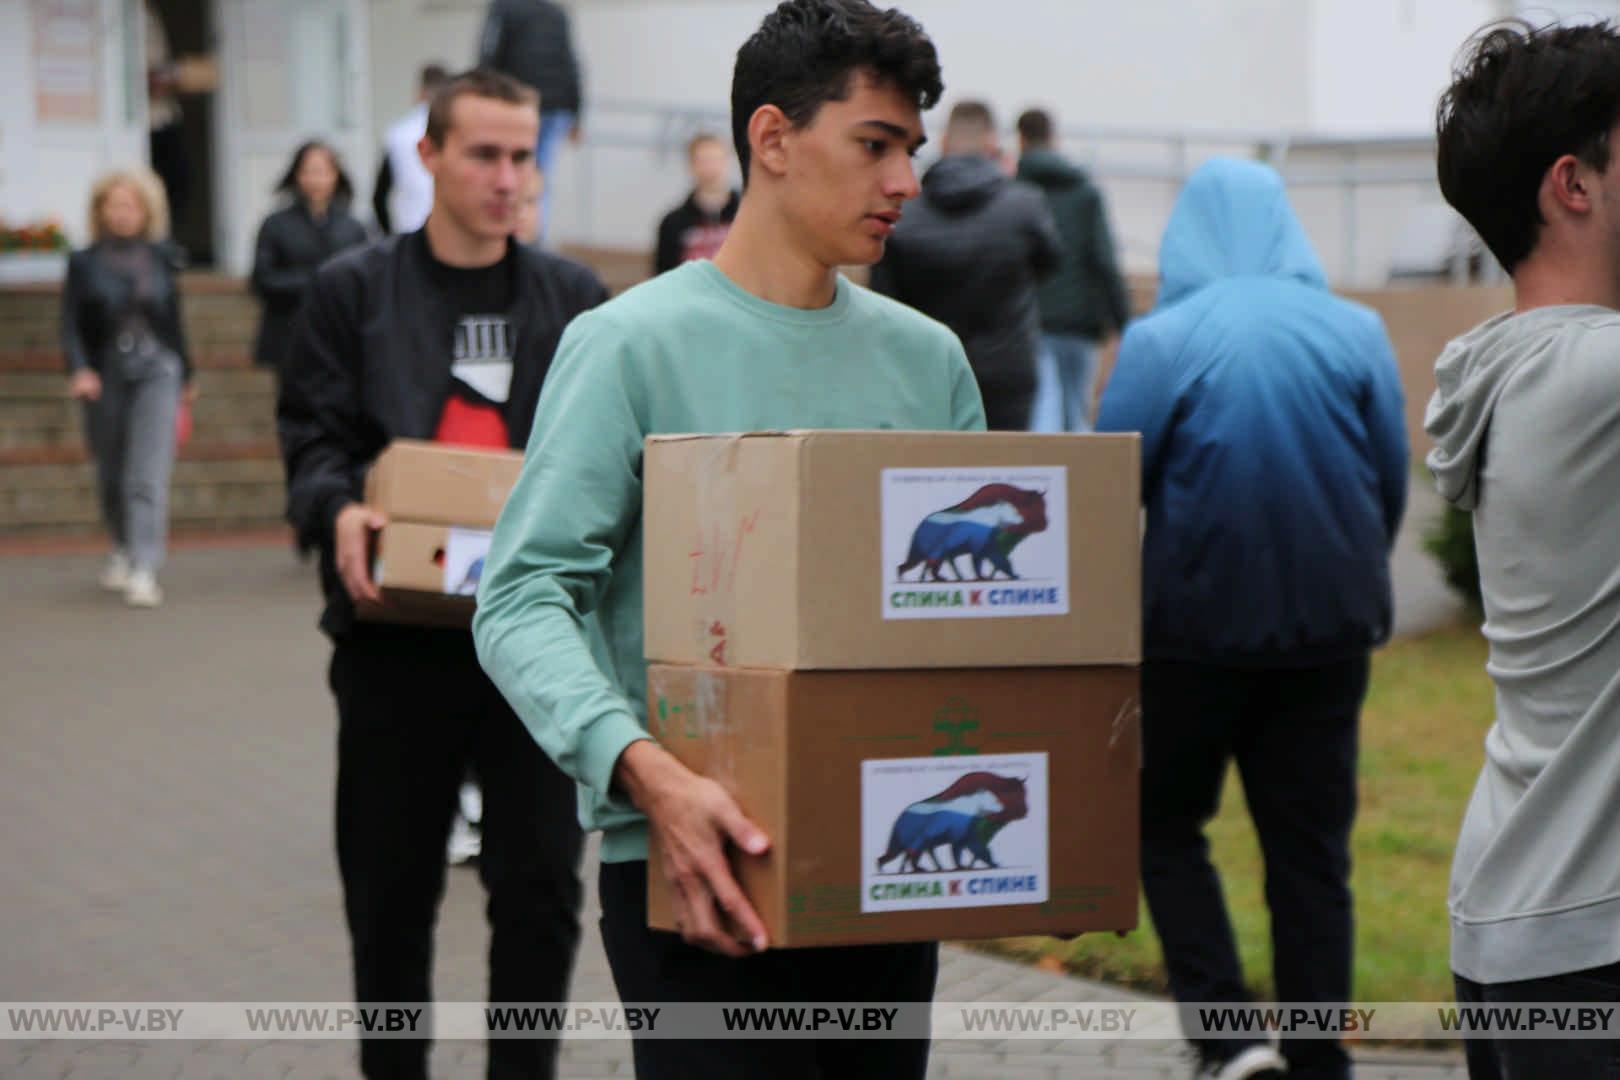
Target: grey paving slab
x,y
167,786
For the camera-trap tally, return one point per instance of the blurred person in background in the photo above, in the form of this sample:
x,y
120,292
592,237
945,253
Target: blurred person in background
x,y
125,348
527,227
1084,304
402,194
530,41
696,228
1274,476
970,253
294,240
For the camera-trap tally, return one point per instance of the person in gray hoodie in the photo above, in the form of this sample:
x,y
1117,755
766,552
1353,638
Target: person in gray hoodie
x,y
1526,426
970,254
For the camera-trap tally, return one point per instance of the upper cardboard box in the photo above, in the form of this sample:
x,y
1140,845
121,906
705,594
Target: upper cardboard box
x,y
856,549
435,484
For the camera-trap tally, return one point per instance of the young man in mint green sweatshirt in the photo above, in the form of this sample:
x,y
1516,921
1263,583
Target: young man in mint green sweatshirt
x,y
827,99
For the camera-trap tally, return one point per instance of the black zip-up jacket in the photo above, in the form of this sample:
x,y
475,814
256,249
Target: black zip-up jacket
x,y
969,253
95,297
529,40
291,246
370,363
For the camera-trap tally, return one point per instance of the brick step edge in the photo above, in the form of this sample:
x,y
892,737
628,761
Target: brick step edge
x,y
50,360
192,451
87,541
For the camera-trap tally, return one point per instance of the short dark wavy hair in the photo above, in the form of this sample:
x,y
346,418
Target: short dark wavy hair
x,y
806,52
1520,99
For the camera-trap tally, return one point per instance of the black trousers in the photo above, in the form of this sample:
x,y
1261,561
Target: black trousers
x,y
1532,1059
1009,398
414,711
1293,733
653,966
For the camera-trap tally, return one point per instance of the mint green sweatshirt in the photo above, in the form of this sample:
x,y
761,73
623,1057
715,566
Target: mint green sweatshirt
x,y
559,623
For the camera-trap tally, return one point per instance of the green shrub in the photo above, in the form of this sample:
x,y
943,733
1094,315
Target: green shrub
x,y
1451,541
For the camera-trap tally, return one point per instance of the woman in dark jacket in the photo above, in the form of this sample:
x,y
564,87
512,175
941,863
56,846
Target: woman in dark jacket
x,y
296,239
127,361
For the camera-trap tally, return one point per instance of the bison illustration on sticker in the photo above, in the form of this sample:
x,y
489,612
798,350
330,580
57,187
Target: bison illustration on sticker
x,y
985,526
965,816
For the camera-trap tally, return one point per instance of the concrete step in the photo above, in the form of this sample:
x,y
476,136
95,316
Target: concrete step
x,y
234,405
229,475
213,492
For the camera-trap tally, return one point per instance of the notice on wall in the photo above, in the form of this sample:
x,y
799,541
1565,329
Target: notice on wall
x,y
67,61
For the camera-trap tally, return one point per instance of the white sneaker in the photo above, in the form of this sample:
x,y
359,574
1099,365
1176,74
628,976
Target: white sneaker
x,y
143,590
1250,1064
465,842
115,575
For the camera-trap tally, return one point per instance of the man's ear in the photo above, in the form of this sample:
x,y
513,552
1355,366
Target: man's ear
x,y
1570,184
768,130
429,152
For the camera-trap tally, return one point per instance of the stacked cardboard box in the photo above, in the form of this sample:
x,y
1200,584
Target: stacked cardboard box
x,y
912,659
441,502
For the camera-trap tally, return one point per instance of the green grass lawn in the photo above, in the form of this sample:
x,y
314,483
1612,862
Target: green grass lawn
x,y
1422,735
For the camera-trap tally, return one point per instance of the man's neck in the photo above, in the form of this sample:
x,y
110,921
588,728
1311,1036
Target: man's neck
x,y
1552,277
760,257
454,247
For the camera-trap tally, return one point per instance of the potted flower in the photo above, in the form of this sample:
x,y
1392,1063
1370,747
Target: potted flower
x,y
33,251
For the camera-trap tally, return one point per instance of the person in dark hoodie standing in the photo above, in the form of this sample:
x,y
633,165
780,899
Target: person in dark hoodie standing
x,y
1526,428
696,228
1084,304
445,334
970,254
1274,474
530,41
295,240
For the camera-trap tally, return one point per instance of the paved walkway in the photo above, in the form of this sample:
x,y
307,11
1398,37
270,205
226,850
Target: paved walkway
x,y
166,786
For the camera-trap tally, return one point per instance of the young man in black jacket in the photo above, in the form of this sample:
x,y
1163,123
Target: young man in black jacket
x,y
443,334
696,228
969,254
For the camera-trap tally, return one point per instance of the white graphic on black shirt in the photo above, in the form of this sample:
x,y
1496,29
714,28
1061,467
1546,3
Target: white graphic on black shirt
x,y
482,356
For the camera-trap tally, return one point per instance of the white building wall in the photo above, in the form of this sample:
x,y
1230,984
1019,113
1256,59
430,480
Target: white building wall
x,y
1379,66
1233,74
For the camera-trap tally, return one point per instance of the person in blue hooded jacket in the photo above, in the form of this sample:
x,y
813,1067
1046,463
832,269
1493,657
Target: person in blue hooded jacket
x,y
1274,465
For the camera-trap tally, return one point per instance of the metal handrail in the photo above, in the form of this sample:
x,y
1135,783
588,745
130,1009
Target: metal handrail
x,y
665,127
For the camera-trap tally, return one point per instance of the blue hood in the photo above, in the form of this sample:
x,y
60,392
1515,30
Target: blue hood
x,y
1233,220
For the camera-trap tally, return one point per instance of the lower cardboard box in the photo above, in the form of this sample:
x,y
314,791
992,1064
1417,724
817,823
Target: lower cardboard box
x,y
917,805
427,574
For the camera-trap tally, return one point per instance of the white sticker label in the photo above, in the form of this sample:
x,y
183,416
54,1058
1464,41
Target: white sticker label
x,y
973,543
464,554
952,832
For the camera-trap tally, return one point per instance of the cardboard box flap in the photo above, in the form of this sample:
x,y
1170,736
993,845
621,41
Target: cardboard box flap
x,y
441,484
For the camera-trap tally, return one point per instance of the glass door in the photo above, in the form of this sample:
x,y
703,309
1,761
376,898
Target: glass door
x,y
290,71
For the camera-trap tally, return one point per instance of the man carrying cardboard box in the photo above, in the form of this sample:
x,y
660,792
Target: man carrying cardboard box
x,y
445,333
827,99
